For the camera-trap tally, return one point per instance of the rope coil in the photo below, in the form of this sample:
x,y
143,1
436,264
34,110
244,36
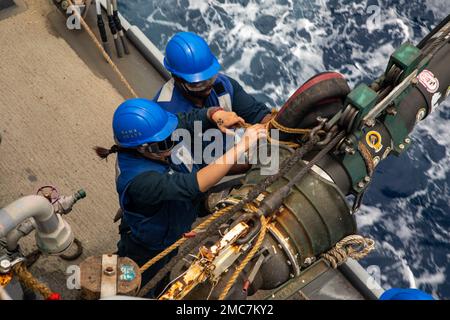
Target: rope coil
x,y
243,264
353,246
21,271
182,240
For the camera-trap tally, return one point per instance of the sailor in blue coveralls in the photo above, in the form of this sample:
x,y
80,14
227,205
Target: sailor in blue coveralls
x,y
197,83
160,199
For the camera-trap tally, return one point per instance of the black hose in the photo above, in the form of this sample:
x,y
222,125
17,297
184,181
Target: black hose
x,y
424,41
77,254
261,187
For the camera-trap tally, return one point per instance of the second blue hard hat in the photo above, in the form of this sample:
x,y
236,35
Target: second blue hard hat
x,y
140,121
189,57
405,294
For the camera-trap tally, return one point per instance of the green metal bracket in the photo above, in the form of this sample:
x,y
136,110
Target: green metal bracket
x,y
362,98
406,57
356,168
399,133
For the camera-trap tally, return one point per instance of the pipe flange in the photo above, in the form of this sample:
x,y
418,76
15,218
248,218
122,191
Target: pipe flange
x,y
287,248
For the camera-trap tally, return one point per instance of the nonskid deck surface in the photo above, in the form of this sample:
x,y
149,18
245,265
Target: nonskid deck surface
x,y
57,98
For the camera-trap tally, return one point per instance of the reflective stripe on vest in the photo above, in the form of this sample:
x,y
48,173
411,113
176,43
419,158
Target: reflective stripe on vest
x,y
225,102
167,91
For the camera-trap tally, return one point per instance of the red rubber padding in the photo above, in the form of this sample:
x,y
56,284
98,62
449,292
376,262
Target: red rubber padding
x,y
312,82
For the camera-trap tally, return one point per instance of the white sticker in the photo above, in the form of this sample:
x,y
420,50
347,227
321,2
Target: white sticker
x,y
434,100
428,80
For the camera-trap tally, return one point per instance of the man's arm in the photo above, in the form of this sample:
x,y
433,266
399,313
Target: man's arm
x,y
187,120
150,188
247,107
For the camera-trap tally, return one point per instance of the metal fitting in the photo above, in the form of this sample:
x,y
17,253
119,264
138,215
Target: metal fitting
x,y
349,150
392,111
369,122
5,266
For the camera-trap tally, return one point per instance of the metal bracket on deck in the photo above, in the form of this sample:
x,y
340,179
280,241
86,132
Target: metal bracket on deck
x,y
109,276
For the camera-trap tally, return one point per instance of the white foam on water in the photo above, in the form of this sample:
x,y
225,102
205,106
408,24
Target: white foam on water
x,y
368,216
407,273
298,58
431,278
438,128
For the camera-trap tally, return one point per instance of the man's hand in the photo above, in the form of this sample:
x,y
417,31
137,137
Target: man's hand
x,y
251,136
226,120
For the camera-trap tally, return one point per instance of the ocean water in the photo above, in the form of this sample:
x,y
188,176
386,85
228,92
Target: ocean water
x,y
272,46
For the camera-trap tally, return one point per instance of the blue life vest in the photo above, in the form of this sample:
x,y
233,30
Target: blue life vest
x,y
170,98
170,218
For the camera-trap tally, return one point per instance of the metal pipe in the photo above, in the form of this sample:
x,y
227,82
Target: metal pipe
x,y
101,27
113,27
119,26
53,235
36,207
361,279
13,237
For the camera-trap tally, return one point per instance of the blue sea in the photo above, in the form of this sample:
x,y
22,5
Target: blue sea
x,y
272,46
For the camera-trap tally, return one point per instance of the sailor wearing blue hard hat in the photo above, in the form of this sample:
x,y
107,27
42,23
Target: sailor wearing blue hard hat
x,y
196,82
405,294
160,199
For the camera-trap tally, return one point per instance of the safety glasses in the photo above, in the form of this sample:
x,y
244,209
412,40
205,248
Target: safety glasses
x,y
200,86
162,146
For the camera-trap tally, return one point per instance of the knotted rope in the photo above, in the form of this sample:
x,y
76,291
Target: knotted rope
x,y
353,246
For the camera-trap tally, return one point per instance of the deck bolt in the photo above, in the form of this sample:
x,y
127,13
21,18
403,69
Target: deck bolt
x,y
367,179
392,111
401,146
407,140
5,264
369,122
361,184
349,150
109,271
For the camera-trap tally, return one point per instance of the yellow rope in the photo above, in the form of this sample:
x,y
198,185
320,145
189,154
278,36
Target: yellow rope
x,y
259,241
274,141
105,55
182,240
353,246
273,123
21,271
367,156
280,127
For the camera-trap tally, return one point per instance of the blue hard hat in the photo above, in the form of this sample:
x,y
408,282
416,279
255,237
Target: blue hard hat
x,y
139,121
189,57
405,294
